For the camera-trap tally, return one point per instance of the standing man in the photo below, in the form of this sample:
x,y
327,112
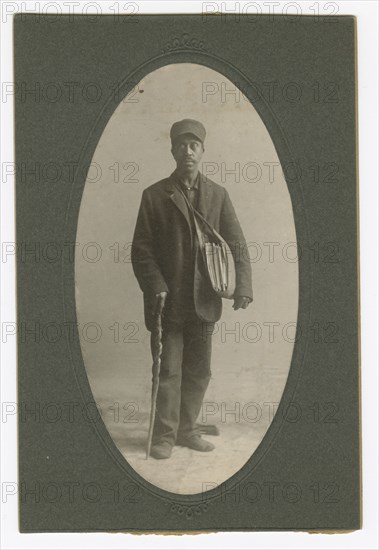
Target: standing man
x,y
169,267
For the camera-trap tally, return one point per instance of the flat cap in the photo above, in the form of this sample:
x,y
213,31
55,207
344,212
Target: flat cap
x,y
187,126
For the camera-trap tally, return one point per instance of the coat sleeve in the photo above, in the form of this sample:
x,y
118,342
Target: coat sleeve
x,y
144,262
231,231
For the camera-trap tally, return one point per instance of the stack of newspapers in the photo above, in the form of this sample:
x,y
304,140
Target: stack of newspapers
x,y
217,263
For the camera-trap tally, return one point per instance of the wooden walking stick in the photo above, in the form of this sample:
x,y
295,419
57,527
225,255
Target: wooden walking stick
x,y
157,353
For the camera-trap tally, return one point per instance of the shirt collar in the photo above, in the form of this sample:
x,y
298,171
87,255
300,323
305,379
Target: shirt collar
x,y
178,179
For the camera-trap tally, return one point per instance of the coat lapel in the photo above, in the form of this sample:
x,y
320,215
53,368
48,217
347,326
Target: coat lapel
x,y
204,201
178,199
205,195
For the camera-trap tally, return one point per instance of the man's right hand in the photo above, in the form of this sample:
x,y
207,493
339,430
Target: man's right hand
x,y
159,302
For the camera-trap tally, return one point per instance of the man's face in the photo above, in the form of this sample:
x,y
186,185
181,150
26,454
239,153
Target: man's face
x,y
187,150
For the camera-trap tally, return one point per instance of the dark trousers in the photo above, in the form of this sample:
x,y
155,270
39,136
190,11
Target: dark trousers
x,y
184,377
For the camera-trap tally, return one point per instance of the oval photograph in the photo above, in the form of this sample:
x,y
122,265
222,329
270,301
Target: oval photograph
x,y
186,278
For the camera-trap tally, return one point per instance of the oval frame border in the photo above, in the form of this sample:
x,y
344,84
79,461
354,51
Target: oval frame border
x,y
201,57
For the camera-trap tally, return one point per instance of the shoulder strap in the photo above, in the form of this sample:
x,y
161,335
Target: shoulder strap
x,y
196,213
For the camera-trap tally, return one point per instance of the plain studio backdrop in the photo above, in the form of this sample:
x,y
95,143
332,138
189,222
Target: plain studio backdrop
x,y
252,349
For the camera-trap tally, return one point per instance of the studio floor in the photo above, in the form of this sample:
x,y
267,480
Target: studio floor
x,y
239,401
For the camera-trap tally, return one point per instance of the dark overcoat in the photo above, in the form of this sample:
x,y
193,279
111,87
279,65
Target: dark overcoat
x,y
163,256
